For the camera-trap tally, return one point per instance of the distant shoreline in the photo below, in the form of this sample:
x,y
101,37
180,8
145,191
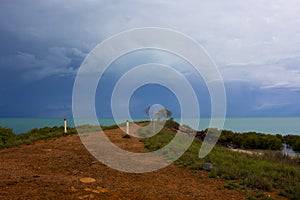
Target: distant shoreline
x,y
267,125
47,131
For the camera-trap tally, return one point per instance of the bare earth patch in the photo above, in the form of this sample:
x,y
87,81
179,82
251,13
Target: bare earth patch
x,y
247,152
63,169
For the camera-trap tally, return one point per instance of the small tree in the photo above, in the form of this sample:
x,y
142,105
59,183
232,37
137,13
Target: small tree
x,y
160,114
164,114
157,112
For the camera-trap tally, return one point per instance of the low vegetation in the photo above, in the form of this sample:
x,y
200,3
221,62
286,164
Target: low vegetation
x,y
268,172
254,140
250,140
293,141
9,139
126,136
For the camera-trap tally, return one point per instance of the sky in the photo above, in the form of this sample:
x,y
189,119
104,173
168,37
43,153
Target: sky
x,y
255,46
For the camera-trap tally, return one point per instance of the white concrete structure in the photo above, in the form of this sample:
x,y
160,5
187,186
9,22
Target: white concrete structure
x,y
127,126
65,125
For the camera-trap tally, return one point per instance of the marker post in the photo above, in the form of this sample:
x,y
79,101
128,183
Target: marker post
x,y
127,127
65,125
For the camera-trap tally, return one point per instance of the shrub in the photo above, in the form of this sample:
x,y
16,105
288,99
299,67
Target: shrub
x,y
6,135
250,140
126,136
9,139
172,124
293,141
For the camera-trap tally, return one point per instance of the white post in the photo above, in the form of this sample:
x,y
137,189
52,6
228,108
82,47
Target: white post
x,y
65,125
127,126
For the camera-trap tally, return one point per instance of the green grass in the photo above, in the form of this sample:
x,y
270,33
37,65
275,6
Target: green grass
x,y
231,186
157,141
10,139
253,172
259,196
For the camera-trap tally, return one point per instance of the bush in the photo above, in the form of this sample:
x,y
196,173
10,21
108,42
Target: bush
x,y
250,140
296,144
126,136
170,123
9,139
293,141
6,135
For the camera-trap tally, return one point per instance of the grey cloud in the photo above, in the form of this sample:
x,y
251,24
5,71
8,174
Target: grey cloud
x,y
56,62
271,75
265,106
256,34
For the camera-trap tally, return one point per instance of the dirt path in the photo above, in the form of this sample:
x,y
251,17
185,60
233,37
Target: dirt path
x,y
54,169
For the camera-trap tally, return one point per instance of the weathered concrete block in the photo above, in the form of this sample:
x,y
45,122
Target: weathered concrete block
x,y
207,166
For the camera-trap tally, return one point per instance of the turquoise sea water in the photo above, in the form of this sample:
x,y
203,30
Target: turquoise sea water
x,y
284,125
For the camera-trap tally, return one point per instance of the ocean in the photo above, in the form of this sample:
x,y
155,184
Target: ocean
x,y
271,125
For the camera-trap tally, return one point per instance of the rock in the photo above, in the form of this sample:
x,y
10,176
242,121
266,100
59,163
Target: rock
x,y
47,150
87,180
89,196
207,166
102,190
98,190
73,189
